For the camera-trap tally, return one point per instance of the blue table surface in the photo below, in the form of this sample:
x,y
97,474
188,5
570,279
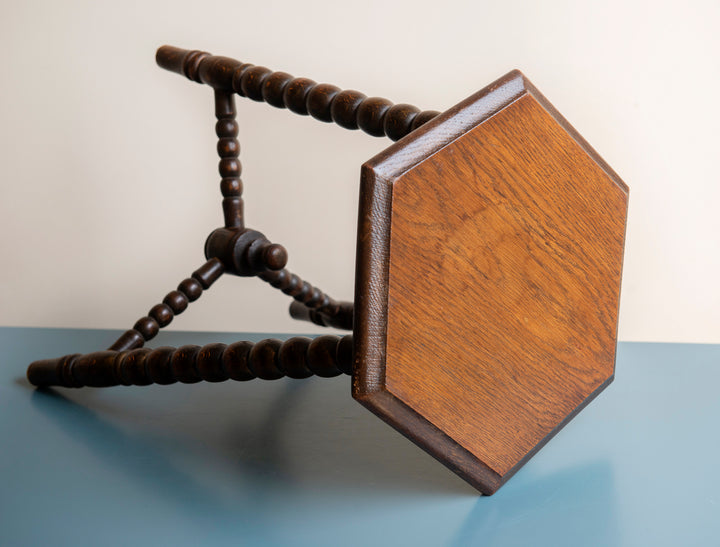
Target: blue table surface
x,y
301,463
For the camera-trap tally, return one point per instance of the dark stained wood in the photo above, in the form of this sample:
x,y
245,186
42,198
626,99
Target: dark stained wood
x,y
174,303
162,314
490,249
244,252
311,304
158,366
128,340
319,101
147,327
399,120
210,364
235,360
296,93
322,356
335,314
293,357
349,109
209,272
344,108
252,82
182,365
264,360
229,167
270,359
274,88
191,288
371,116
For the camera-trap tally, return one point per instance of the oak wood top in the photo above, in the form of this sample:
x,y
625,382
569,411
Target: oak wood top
x,y
490,249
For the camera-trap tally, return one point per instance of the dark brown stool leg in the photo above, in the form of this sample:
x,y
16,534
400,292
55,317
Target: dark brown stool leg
x,y
311,304
299,357
174,303
230,168
349,109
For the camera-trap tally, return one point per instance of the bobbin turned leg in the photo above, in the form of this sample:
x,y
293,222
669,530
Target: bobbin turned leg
x,y
230,168
174,303
311,304
299,357
347,108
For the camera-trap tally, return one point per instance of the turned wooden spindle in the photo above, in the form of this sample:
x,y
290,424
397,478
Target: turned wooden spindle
x,y
230,168
174,303
311,304
347,108
271,359
340,315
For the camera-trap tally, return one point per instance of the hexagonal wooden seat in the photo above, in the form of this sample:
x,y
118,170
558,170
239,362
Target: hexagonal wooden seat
x,y
490,250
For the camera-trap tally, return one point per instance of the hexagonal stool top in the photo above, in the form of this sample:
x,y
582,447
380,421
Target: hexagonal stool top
x,y
490,249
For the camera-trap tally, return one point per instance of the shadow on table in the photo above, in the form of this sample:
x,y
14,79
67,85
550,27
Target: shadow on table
x,y
124,453
278,442
289,453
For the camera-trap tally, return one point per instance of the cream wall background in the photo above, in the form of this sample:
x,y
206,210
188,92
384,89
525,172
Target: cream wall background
x,y
109,181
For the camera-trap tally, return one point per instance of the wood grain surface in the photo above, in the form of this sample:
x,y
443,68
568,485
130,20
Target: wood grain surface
x,y
490,253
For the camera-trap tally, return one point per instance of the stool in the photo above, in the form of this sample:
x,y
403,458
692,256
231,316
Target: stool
x,y
489,258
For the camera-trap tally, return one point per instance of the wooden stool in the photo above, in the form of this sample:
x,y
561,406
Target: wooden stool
x,y
489,258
